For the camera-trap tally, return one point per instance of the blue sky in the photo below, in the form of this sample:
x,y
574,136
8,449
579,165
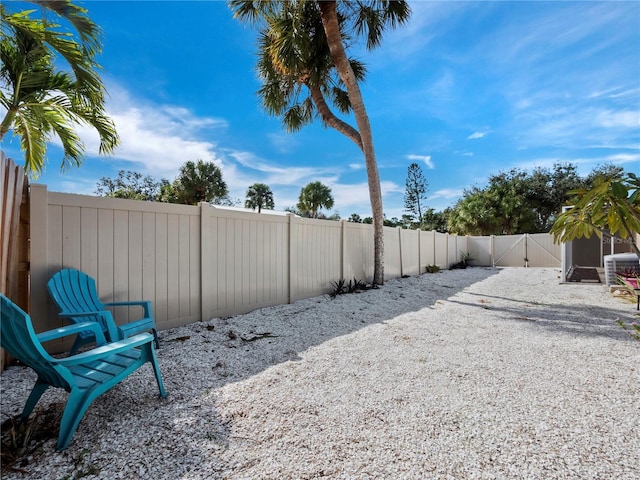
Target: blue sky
x,y
464,89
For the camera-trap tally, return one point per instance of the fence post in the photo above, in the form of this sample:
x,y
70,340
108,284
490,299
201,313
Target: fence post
x,y
419,250
446,250
205,261
290,217
491,248
400,250
343,246
39,212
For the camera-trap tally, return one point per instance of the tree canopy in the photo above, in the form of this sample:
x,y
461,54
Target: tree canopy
x,y
259,196
313,197
197,182
41,99
518,201
131,185
415,196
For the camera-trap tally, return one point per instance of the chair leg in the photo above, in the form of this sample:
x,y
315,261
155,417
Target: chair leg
x,y
77,405
38,389
155,337
156,371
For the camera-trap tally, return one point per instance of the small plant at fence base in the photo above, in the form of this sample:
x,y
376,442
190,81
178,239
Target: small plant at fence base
x,y
341,287
433,268
465,258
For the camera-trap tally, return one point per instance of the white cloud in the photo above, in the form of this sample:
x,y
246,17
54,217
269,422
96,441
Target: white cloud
x,y
158,138
422,158
446,193
476,135
624,118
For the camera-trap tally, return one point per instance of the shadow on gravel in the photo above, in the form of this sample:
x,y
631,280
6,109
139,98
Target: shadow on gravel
x,y
579,320
196,361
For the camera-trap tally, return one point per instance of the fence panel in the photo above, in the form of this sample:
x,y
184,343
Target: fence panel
x,y
392,268
509,250
542,251
480,249
315,254
357,251
441,249
410,251
14,235
427,249
245,261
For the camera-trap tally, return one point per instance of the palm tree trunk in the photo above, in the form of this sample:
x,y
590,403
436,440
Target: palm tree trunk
x,y
331,120
336,47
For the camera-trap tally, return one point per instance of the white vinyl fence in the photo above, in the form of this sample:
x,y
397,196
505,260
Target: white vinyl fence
x,y
200,262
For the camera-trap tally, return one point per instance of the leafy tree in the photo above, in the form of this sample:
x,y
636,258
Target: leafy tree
x,y
432,220
415,196
612,203
42,101
608,170
548,190
335,216
302,48
313,197
474,214
131,185
259,195
354,218
501,208
198,182
507,192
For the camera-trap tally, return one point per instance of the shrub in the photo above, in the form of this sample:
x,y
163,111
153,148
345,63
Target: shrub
x,y
341,287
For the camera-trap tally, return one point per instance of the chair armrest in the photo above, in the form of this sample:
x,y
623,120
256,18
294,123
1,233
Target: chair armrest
x,y
145,304
105,320
73,329
107,350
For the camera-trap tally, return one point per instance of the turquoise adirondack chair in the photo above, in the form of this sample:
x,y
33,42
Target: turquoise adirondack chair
x,y
75,294
85,376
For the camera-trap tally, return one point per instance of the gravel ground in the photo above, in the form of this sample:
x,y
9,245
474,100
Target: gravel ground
x,y
464,374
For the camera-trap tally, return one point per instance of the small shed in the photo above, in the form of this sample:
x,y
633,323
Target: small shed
x,y
584,255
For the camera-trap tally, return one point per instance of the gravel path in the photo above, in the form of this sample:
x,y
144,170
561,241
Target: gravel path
x,y
464,374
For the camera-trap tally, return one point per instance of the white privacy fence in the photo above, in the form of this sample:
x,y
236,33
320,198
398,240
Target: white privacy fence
x,y
200,262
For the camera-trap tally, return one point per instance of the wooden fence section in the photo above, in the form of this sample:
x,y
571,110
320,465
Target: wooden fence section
x,y
200,262
14,234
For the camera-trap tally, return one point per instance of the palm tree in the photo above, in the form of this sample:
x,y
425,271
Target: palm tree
x,y
612,203
302,46
198,182
259,195
313,197
40,100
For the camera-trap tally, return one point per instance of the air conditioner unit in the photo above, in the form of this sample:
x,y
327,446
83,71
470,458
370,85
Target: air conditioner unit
x,y
616,263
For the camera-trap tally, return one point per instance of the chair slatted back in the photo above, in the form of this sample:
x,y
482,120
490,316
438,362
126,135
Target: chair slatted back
x,y
75,291
18,337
